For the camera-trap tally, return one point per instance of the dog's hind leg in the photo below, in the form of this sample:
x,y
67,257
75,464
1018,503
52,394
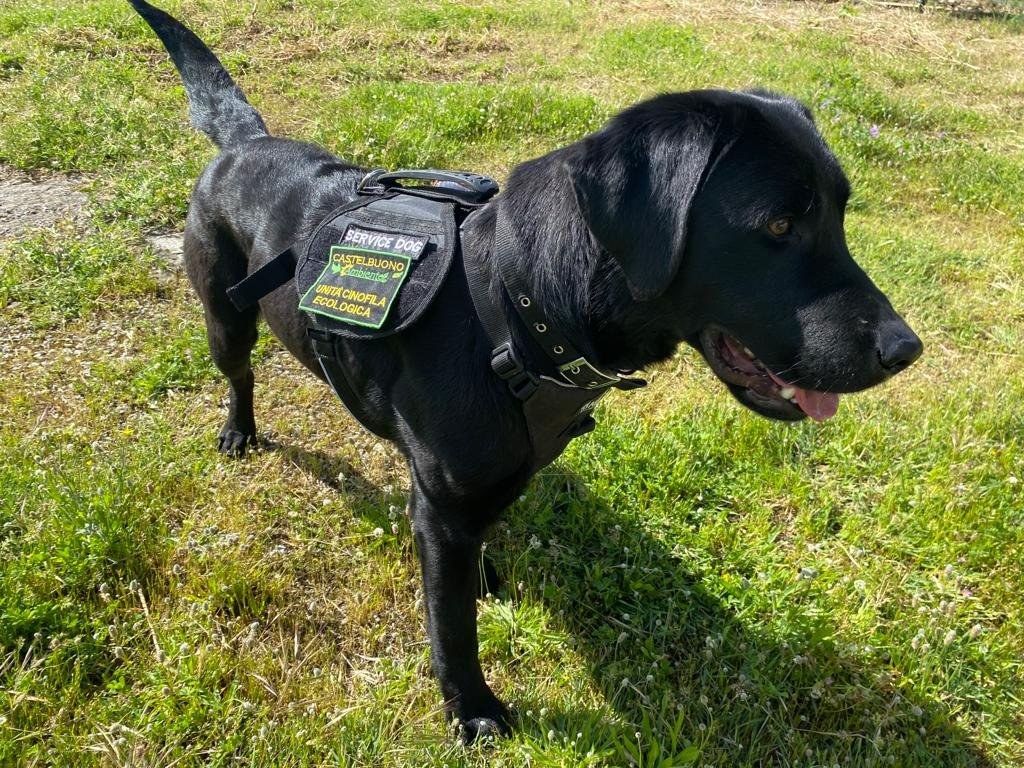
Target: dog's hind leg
x,y
214,263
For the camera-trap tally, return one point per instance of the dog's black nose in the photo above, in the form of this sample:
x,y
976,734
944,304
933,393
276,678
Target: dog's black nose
x,y
898,346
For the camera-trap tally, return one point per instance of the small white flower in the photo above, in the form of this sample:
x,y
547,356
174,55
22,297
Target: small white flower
x,y
535,542
975,631
949,637
378,532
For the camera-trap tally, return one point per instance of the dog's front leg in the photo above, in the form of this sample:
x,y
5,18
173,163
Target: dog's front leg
x,y
449,560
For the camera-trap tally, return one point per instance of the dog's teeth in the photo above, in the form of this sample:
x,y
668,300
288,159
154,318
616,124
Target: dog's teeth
x,y
787,393
747,352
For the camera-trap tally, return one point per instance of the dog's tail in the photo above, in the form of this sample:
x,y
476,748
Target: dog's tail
x,y
217,106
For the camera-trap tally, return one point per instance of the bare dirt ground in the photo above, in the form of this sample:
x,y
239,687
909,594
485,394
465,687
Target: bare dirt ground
x,y
29,202
33,203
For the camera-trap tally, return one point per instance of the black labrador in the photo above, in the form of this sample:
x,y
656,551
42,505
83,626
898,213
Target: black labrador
x,y
710,217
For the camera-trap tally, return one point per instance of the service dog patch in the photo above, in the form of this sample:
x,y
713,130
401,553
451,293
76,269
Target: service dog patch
x,y
363,276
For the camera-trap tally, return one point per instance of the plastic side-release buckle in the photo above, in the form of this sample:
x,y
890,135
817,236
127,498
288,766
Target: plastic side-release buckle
x,y
505,363
322,342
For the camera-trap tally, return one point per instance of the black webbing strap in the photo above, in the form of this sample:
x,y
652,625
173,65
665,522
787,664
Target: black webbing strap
x,y
504,361
280,269
271,276
571,364
555,412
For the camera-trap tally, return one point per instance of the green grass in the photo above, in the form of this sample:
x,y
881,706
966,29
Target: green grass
x,y
689,585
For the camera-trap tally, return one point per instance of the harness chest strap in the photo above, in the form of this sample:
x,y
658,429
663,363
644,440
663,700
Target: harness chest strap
x,y
555,411
574,368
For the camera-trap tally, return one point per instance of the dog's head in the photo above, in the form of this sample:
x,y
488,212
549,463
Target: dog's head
x,y
723,212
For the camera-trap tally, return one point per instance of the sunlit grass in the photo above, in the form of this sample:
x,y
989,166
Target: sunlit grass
x,y
689,585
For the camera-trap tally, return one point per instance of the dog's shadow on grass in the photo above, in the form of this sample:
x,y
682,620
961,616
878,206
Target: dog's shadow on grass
x,y
686,679
685,676
368,499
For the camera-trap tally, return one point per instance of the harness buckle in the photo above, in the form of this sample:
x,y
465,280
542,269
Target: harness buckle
x,y
581,373
506,365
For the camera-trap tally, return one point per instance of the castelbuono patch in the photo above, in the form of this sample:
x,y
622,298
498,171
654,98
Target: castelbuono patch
x,y
363,276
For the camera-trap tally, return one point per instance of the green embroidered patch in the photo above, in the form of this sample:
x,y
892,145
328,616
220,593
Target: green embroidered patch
x,y
362,276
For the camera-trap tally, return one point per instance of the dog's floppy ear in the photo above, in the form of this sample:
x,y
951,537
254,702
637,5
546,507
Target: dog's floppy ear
x,y
635,182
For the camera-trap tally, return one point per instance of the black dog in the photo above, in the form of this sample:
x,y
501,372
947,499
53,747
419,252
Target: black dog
x,y
710,217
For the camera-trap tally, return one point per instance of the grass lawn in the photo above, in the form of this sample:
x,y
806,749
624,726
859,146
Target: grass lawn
x,y
688,585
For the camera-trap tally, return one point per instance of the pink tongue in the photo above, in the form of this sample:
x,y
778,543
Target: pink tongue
x,y
818,405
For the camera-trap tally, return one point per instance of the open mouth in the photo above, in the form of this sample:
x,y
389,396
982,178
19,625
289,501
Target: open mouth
x,y
756,386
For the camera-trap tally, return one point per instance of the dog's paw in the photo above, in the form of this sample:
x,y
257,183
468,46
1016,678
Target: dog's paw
x,y
482,729
491,724
232,442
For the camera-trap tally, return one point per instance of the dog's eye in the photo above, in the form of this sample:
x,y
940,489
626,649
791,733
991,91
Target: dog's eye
x,y
780,226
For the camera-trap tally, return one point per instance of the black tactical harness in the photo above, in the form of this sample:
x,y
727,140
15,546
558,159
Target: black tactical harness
x,y
401,242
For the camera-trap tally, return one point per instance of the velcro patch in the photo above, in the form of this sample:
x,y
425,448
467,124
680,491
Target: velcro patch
x,y
363,275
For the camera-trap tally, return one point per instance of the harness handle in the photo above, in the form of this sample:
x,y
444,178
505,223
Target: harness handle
x,y
479,187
